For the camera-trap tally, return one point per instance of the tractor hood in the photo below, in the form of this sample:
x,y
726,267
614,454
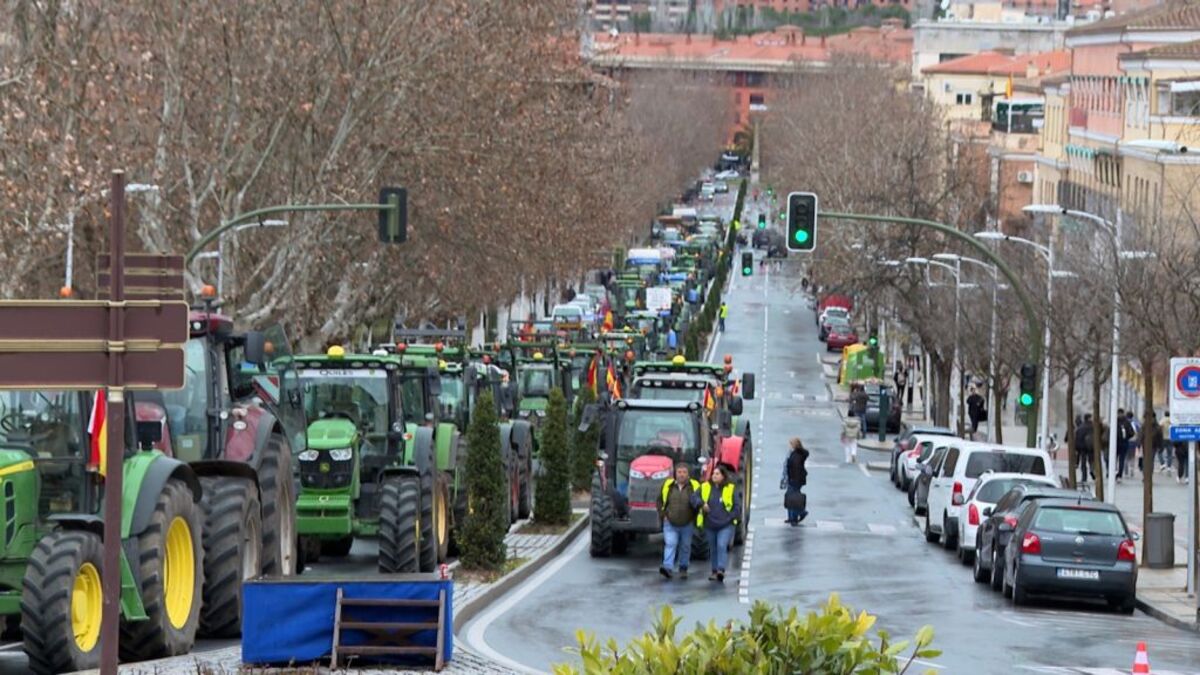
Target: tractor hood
x,y
331,433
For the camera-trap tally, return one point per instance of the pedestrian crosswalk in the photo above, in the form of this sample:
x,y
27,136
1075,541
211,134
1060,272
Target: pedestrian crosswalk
x,y
845,527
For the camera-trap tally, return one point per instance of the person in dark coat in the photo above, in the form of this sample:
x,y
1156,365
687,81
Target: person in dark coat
x,y
795,477
1083,447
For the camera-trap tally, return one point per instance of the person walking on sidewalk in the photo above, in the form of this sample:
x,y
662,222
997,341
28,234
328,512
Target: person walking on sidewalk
x,y
721,501
1181,461
976,411
724,312
1083,448
795,477
679,507
851,427
1124,432
1166,452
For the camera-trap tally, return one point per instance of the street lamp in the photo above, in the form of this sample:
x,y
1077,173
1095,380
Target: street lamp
x,y
1113,230
992,357
956,270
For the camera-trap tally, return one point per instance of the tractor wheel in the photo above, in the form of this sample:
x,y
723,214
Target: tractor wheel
x,y
169,562
743,525
602,522
232,551
399,525
441,512
61,603
426,523
278,508
525,481
337,548
460,516
699,544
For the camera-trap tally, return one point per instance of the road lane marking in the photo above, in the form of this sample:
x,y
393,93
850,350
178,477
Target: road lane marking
x,y
865,471
876,528
831,525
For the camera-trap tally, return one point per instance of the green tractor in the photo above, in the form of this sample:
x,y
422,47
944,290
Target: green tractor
x,y
369,468
51,559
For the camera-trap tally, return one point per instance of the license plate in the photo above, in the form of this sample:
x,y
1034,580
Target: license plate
x,y
1085,575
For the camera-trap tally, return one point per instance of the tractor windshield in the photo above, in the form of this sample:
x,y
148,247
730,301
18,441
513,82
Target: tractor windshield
x,y
536,382
360,395
667,432
51,428
670,393
453,395
188,408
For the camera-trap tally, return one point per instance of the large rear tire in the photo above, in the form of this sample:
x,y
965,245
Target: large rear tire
x,y
602,522
61,603
232,551
427,526
399,550
170,567
279,543
441,511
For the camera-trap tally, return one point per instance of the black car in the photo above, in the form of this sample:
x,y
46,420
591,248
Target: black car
x,y
905,443
998,524
1072,547
918,493
870,419
761,239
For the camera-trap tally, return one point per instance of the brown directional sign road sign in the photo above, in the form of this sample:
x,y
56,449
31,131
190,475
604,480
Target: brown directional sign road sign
x,y
65,344
147,276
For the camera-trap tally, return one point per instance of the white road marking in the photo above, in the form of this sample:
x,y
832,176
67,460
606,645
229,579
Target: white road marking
x,y
475,636
831,525
1009,619
865,471
876,528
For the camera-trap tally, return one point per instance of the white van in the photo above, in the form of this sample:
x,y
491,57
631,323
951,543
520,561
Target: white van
x,y
957,471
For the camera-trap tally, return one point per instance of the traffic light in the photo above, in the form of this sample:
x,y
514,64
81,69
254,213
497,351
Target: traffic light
x,y
802,221
872,341
747,264
762,221
393,216
1029,377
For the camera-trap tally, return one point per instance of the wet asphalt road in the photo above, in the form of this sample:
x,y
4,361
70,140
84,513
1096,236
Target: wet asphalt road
x,y
859,541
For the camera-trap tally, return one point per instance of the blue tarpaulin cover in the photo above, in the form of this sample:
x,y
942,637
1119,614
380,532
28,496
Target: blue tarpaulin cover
x,y
292,621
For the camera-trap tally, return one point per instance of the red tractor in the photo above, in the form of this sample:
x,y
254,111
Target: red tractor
x,y
641,443
240,442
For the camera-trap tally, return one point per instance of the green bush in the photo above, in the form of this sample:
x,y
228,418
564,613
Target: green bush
x,y
583,449
553,504
832,641
486,523
691,344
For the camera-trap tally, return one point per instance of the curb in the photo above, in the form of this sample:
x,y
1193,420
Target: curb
x,y
464,614
1165,617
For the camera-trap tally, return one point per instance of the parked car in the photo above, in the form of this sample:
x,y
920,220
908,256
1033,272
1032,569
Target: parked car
x,y
908,464
760,239
870,418
828,323
840,312
1072,547
839,336
721,187
918,495
728,174
962,466
983,497
905,443
708,192
996,528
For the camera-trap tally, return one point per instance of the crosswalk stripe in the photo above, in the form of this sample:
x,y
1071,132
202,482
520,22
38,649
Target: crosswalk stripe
x,y
881,529
831,525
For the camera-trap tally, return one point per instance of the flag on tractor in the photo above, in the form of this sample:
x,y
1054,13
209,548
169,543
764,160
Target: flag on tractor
x,y
709,401
608,321
98,430
593,375
614,385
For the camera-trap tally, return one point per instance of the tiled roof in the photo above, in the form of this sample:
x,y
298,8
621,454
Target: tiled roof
x,y
1041,62
1179,50
974,64
1173,15
777,47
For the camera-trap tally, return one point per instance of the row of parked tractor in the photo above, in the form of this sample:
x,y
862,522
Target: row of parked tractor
x,y
267,460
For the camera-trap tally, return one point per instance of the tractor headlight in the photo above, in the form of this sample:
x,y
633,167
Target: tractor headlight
x,y
523,414
341,454
540,413
661,475
308,456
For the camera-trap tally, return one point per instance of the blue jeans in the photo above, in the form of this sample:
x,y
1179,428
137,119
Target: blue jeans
x,y
677,540
1122,453
718,546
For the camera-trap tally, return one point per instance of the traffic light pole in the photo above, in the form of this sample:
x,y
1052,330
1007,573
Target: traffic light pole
x,y
1031,317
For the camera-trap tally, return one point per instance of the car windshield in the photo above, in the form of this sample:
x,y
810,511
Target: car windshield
x,y
1004,462
992,490
536,381
1079,521
360,395
837,321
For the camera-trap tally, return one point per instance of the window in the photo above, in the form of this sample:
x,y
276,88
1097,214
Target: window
x,y
964,99
949,464
187,408
756,99
672,433
360,396
1004,462
1185,103
993,490
1080,521
536,381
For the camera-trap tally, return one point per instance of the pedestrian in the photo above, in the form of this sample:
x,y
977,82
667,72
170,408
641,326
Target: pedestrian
x,y
679,508
722,314
672,340
1124,432
1083,447
901,379
1166,452
721,501
1135,441
858,400
795,477
976,411
851,427
1181,461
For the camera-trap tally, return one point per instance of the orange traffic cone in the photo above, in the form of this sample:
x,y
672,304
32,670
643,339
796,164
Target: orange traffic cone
x,y
1141,661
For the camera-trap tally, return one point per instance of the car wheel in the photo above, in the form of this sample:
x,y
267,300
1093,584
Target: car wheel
x,y
1019,595
1006,588
930,535
1124,605
997,571
892,472
980,574
948,538
911,498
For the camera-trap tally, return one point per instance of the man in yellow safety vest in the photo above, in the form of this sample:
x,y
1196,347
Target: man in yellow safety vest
x,y
679,507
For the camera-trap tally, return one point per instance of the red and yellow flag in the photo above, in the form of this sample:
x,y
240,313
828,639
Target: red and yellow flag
x,y
608,321
98,430
592,375
614,385
709,401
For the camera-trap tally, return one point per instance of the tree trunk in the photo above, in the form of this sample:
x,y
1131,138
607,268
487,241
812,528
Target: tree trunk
x,y
1072,460
942,369
1149,425
1097,435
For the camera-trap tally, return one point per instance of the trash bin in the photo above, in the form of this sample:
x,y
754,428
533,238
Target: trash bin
x,y
1158,551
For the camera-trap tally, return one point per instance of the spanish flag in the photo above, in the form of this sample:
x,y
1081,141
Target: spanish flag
x,y
709,401
98,430
608,321
592,379
614,385
1008,87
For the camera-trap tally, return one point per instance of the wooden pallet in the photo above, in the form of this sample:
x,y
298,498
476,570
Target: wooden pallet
x,y
388,638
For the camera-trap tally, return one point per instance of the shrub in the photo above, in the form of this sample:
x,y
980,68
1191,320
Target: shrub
x,y
583,450
832,641
485,525
553,505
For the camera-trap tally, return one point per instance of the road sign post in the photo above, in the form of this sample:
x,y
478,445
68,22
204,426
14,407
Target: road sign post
x,y
110,617
1184,407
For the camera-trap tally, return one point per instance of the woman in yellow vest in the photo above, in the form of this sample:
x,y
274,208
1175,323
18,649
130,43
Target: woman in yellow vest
x,y
721,502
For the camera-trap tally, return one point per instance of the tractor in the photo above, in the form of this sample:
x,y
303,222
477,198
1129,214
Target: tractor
x,y
369,468
641,442
240,445
707,383
51,559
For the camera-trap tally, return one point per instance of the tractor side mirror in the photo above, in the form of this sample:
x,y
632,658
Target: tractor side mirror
x,y
149,433
255,348
435,382
735,405
748,386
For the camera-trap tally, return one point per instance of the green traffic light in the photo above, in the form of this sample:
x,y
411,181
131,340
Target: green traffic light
x,y
746,271
801,236
1026,399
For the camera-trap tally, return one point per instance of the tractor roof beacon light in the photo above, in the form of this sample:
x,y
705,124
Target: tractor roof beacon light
x,y
1029,375
802,221
747,264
